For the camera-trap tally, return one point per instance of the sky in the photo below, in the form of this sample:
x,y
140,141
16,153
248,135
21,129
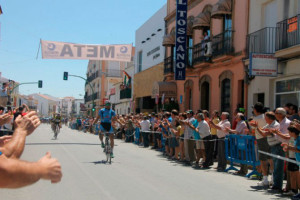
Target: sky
x,y
24,23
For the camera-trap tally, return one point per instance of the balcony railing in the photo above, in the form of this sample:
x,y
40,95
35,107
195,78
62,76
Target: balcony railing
x,y
125,93
262,41
198,53
168,65
288,33
91,97
113,73
93,76
222,44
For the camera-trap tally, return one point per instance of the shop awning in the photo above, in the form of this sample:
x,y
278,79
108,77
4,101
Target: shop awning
x,y
167,88
223,7
169,40
202,20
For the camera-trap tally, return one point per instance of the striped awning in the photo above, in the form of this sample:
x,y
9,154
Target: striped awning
x,y
223,7
202,20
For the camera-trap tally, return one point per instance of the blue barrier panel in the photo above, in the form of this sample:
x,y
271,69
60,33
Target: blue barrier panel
x,y
241,149
137,135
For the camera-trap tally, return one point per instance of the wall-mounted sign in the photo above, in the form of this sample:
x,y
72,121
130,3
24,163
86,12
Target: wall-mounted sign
x,y
292,24
263,65
181,30
181,99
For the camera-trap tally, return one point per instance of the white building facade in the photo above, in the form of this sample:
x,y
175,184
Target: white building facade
x,y
274,30
149,60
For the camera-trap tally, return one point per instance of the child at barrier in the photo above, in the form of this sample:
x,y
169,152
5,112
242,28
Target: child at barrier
x,y
293,168
182,118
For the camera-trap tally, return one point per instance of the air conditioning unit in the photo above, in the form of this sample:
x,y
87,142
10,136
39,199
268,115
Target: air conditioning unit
x,y
208,49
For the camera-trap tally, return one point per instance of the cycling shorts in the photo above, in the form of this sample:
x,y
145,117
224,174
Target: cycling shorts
x,y
106,127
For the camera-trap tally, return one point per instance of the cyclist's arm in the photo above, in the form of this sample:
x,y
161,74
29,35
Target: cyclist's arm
x,y
97,118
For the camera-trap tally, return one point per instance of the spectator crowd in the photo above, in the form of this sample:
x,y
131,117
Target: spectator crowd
x,y
198,139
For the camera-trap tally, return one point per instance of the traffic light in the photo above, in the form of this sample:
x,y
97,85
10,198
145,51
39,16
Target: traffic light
x,y
66,76
40,83
93,109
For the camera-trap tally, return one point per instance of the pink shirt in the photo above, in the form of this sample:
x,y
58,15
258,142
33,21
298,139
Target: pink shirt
x,y
222,133
241,127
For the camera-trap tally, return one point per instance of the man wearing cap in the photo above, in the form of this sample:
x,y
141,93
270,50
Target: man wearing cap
x,y
106,115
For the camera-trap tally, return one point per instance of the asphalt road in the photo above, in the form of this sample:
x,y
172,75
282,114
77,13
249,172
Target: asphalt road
x,y
136,173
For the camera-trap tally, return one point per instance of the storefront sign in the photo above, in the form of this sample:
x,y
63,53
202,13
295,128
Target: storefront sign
x,y
181,31
263,65
63,50
292,24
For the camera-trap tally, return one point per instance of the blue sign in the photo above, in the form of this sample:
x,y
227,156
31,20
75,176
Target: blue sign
x,y
181,98
181,34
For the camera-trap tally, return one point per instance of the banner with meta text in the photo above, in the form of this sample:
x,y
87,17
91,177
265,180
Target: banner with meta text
x,y
181,32
64,50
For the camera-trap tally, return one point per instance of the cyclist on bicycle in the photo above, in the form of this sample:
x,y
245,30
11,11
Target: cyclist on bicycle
x,y
106,116
56,122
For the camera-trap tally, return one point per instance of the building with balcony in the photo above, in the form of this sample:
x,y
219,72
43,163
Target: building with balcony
x,y
149,59
216,44
274,30
121,92
65,106
101,77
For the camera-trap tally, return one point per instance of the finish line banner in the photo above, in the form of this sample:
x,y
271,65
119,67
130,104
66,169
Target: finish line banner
x,y
63,50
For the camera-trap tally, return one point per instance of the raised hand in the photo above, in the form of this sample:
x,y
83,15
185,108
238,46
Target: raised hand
x,y
5,119
51,168
27,123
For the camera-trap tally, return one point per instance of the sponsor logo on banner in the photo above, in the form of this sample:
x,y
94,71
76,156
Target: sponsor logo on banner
x,y
263,65
63,50
181,31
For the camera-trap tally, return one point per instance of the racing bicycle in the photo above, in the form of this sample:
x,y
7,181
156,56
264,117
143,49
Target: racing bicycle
x,y
107,148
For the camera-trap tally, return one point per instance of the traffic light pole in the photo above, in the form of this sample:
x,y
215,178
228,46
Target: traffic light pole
x,y
23,84
91,89
11,91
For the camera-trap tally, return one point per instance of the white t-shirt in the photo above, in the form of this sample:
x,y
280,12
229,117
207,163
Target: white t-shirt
x,y
260,119
145,125
204,129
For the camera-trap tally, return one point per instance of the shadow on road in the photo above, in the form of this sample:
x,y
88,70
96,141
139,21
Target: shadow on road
x,y
99,162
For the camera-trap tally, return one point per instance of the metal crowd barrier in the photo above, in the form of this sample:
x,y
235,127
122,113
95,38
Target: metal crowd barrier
x,y
241,149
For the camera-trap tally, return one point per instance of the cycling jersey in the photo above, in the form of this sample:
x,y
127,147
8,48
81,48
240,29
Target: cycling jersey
x,y
57,119
106,115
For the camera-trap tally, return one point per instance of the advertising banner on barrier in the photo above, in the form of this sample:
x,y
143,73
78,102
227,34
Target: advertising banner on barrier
x,y
181,31
64,50
263,64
